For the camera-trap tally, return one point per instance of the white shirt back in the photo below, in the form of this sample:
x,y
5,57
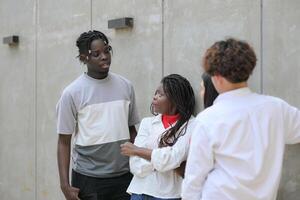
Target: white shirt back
x,y
237,147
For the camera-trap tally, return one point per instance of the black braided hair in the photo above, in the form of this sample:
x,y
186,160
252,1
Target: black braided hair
x,y
86,38
180,92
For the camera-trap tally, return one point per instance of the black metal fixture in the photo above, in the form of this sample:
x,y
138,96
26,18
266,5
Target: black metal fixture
x,y
125,22
11,40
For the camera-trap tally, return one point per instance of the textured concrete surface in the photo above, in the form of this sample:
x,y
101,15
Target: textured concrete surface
x,y
137,52
193,26
169,36
59,25
17,103
281,73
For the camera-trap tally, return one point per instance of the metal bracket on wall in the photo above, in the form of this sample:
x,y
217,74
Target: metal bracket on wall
x,y
125,22
11,40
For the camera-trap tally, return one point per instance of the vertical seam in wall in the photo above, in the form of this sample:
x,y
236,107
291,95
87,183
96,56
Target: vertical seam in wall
x,y
35,96
162,38
91,11
261,48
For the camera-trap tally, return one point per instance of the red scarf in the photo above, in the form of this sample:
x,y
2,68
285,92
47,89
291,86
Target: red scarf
x,y
168,120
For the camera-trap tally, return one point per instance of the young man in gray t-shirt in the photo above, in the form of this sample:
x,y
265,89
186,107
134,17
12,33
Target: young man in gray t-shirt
x,y
99,109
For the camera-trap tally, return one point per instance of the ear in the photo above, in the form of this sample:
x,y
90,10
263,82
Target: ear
x,y
83,58
219,78
215,78
217,81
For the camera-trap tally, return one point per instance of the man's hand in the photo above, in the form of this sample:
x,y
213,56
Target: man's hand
x,y
128,149
71,193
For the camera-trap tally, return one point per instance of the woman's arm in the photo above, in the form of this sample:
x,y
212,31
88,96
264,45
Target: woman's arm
x,y
138,165
129,149
165,158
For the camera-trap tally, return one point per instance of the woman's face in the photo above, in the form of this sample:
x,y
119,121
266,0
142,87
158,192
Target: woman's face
x,y
161,103
202,90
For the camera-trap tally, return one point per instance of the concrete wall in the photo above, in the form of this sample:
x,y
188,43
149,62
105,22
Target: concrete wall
x,y
281,73
17,103
169,36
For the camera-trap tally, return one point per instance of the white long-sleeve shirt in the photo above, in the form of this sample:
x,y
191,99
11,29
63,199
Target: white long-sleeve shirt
x,y
157,177
237,147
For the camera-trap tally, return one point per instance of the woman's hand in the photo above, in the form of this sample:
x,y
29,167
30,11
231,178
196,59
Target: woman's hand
x,y
128,149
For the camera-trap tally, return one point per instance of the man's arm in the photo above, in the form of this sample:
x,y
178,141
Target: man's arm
x,y
132,133
292,121
200,162
63,160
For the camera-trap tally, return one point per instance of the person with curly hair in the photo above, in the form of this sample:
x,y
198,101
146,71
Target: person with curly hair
x,y
238,143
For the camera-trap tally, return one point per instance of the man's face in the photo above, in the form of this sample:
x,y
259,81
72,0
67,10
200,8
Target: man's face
x,y
99,58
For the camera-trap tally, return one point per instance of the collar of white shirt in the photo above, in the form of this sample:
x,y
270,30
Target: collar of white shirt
x,y
232,94
156,119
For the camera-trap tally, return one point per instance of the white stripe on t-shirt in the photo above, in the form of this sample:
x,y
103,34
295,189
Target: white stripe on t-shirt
x,y
94,123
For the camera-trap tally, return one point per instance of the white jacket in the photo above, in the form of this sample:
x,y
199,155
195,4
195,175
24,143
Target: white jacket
x,y
157,177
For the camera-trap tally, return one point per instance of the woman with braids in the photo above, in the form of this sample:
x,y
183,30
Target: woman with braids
x,y
99,109
162,142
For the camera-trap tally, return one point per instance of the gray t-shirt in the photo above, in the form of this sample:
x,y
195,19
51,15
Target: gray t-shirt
x,y
98,112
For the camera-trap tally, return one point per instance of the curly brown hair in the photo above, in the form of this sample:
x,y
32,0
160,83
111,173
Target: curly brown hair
x,y
233,59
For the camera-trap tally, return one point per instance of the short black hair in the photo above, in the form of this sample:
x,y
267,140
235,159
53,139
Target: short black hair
x,y
85,39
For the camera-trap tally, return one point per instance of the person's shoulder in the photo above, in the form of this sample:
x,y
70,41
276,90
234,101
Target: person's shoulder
x,y
76,83
147,121
191,120
120,78
209,117
74,86
206,113
191,123
275,99
271,100
150,119
123,82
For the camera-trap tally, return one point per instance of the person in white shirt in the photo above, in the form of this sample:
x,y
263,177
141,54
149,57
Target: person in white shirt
x,y
162,142
238,144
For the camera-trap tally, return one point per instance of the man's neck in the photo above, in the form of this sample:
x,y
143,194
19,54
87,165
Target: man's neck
x,y
233,86
97,75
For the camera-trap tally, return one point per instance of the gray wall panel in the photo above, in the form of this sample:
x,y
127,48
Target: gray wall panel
x,y
59,25
169,36
137,51
281,73
17,102
193,26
